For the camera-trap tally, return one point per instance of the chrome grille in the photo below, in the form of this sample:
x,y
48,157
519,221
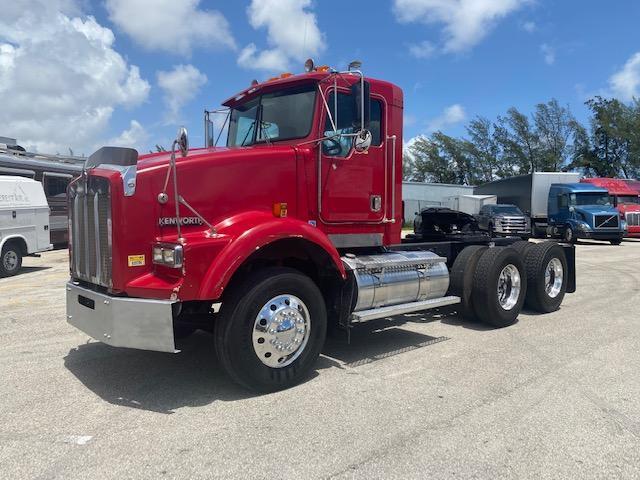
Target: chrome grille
x,y
633,219
90,227
513,224
607,221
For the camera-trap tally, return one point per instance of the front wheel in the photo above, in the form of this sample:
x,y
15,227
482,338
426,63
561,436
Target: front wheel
x,y
617,241
568,235
271,330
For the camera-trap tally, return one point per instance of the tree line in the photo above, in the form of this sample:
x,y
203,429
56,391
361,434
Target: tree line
x,y
550,139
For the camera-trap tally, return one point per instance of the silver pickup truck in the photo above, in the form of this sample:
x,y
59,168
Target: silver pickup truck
x,y
504,220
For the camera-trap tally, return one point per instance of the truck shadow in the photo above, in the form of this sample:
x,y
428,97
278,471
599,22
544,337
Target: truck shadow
x,y
156,381
163,382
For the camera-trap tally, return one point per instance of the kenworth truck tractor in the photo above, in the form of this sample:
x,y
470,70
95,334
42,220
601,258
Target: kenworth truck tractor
x,y
293,227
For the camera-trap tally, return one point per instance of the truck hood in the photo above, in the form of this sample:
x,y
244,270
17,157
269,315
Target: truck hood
x,y
590,210
207,155
631,207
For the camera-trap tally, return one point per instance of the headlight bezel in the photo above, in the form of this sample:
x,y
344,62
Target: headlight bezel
x,y
168,254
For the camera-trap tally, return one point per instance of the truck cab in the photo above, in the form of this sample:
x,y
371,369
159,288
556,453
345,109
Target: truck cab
x,y
584,211
625,200
292,226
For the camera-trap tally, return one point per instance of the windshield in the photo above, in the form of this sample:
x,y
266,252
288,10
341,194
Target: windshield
x,y
628,199
596,198
282,115
507,210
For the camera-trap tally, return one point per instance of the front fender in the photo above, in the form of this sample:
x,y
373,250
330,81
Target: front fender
x,y
251,231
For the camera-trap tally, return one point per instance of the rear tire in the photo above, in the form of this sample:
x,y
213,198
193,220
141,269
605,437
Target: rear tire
x,y
618,241
10,259
522,247
461,279
241,335
499,286
547,276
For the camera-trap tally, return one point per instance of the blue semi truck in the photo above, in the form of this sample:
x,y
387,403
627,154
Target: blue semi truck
x,y
582,210
559,206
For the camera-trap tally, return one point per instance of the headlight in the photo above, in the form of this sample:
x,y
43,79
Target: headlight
x,y
168,254
583,226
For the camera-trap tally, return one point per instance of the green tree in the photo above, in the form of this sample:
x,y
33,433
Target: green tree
x,y
554,126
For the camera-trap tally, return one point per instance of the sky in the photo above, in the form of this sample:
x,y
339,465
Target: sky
x,y
80,74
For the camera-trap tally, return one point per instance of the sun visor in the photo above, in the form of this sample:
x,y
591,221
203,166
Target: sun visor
x,y
120,156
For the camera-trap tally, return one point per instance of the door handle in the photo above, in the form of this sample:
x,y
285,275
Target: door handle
x,y
375,202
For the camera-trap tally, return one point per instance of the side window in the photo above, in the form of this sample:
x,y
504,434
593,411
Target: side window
x,y
375,124
339,146
55,186
563,201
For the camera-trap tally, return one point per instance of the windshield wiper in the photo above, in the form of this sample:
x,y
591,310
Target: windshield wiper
x,y
251,127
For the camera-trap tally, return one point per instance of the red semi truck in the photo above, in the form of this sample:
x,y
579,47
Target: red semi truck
x,y
293,227
625,198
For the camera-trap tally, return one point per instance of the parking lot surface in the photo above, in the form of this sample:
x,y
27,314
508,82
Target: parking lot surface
x,y
417,396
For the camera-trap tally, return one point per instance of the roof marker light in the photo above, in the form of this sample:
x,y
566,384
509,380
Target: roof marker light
x,y
308,65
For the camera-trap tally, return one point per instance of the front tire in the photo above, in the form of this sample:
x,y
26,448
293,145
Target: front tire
x,y
499,286
617,241
568,235
271,330
10,259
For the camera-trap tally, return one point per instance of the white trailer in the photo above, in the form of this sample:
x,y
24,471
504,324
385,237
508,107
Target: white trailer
x,y
471,204
24,222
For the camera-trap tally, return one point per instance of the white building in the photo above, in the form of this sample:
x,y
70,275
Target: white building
x,y
419,195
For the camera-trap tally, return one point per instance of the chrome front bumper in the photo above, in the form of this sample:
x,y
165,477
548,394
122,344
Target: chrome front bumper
x,y
121,321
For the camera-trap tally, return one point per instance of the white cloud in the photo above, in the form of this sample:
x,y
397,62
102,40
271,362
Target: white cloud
x,y
60,76
451,115
133,137
529,27
292,34
466,22
424,49
548,53
180,85
625,83
174,26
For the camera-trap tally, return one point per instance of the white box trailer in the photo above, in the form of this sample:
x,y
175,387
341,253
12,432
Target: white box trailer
x,y
24,222
471,204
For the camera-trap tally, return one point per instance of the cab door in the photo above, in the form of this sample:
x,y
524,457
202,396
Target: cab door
x,y
352,184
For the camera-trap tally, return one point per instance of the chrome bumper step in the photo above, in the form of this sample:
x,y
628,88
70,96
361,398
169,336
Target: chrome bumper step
x,y
382,312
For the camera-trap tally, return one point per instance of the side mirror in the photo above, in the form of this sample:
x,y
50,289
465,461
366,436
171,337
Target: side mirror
x,y
362,104
182,141
572,209
362,141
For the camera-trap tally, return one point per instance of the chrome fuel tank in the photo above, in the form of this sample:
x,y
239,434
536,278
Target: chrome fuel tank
x,y
397,277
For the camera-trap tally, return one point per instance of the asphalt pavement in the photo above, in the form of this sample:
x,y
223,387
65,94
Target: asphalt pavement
x,y
417,396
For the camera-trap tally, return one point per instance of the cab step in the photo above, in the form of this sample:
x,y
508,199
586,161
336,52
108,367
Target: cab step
x,y
382,312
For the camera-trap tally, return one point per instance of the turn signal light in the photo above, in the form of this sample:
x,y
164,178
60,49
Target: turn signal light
x,y
280,210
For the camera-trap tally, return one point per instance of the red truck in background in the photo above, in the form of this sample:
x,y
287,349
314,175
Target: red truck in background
x,y
294,225
625,198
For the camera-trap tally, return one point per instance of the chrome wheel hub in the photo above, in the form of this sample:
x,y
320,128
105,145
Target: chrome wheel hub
x,y
509,287
281,331
553,277
10,260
